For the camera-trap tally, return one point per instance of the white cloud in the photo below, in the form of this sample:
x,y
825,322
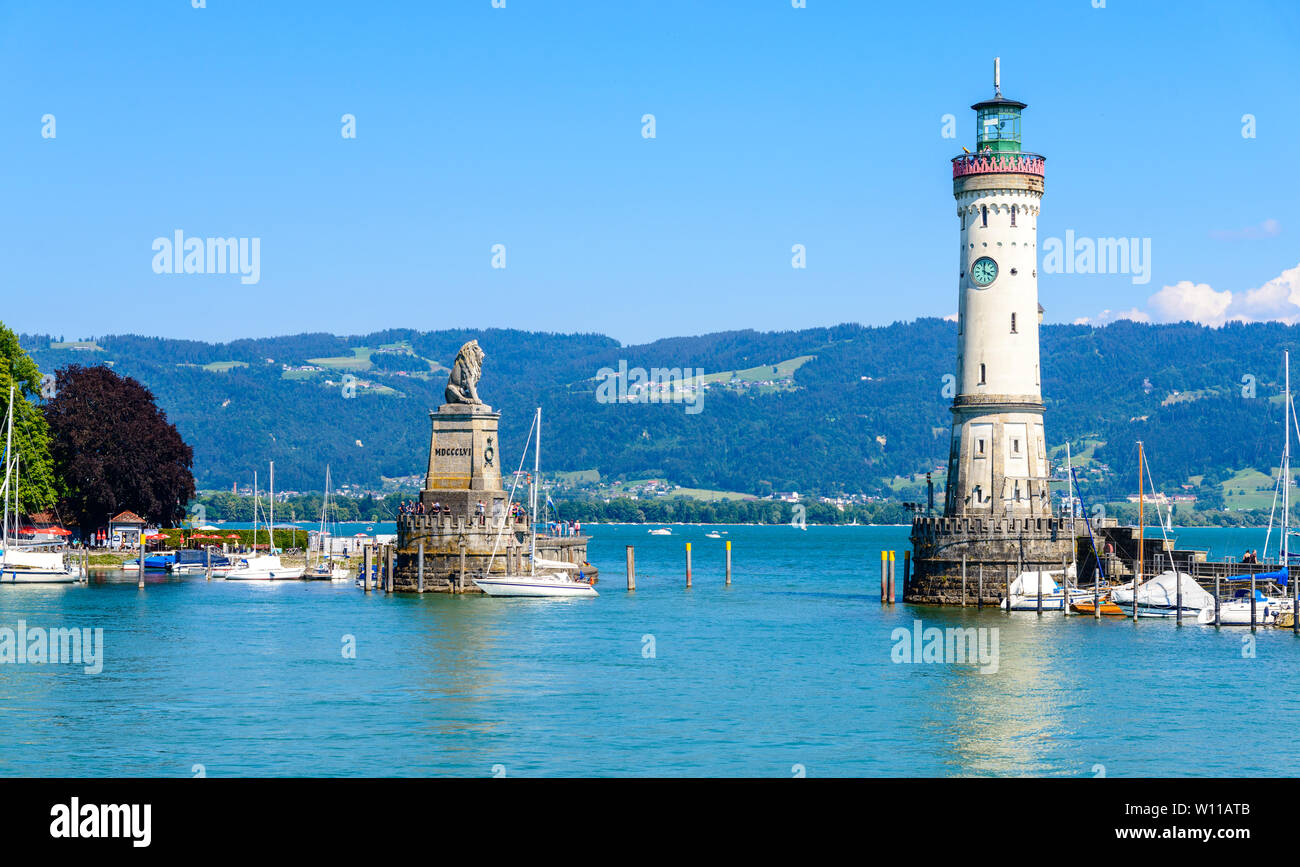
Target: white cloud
x,y
1185,300
1268,229
1278,299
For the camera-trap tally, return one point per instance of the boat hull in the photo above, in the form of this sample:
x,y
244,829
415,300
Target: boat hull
x,y
286,574
525,586
37,576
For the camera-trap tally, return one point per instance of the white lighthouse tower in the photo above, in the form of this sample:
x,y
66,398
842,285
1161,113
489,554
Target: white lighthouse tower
x,y
998,461
997,517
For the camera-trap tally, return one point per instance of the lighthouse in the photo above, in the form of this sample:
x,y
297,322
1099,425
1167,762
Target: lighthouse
x,y
998,463
997,518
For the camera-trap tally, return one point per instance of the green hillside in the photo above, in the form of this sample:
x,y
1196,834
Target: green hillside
x,y
846,409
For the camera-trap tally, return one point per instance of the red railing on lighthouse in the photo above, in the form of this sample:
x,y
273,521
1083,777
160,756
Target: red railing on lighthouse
x,y
998,163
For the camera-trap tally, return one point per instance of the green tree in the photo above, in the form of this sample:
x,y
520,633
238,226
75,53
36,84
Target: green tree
x,y
38,484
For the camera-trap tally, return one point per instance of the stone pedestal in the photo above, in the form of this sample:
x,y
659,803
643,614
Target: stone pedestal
x,y
997,545
466,511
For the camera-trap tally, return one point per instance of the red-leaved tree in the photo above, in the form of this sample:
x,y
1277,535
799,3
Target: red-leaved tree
x,y
115,449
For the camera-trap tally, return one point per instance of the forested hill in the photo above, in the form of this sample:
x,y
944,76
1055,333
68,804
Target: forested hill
x,y
826,410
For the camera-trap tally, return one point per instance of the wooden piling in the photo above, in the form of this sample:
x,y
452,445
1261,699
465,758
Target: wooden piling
x,y
688,565
728,562
419,567
884,577
141,561
1252,601
391,570
963,580
207,561
1065,589
1096,588
907,571
1040,593
365,568
892,581
1216,599
631,567
460,582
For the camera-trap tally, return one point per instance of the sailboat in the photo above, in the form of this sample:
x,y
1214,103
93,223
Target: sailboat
x,y
1266,609
265,567
325,569
26,564
1171,590
549,583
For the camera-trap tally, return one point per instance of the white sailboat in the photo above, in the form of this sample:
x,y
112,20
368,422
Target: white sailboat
x,y
551,583
29,564
325,568
265,567
1267,609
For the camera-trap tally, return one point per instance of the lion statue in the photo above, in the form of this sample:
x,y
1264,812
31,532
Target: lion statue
x,y
465,373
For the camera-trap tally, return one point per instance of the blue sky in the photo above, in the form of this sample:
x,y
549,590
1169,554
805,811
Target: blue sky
x,y
522,126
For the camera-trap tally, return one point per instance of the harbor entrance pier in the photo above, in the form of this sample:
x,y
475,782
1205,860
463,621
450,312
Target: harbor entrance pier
x,y
464,512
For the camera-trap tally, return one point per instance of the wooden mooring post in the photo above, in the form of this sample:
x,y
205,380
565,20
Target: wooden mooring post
x,y
892,578
1065,589
728,562
460,581
884,576
419,567
907,571
963,580
688,565
365,568
1216,599
631,568
390,571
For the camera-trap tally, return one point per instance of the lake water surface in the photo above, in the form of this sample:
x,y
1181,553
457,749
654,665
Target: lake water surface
x,y
791,667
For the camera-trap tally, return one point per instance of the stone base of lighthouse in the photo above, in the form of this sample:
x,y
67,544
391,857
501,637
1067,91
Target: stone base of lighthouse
x,y
993,548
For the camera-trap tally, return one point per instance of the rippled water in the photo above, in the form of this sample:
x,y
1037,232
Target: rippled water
x,y
790,666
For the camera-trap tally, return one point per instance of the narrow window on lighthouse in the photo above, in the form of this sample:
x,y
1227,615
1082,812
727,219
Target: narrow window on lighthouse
x,y
1013,214
1013,323
981,374
984,215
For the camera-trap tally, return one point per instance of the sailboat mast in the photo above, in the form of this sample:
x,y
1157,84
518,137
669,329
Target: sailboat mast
x,y
537,483
9,441
1142,524
270,514
1069,487
1286,468
254,511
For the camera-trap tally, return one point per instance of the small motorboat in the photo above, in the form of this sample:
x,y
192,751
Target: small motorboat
x,y
662,531
21,566
326,572
1236,612
1024,594
264,568
550,584
1108,608
714,535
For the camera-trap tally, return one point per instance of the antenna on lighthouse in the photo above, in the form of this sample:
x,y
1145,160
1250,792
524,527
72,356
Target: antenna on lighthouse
x,y
997,76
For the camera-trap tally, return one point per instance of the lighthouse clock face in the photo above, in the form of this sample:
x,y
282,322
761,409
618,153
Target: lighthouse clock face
x,y
984,271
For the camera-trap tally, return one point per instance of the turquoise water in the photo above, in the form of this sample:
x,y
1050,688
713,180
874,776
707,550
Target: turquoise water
x,y
790,666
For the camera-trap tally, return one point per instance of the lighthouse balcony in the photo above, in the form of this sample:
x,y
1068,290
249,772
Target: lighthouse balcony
x,y
988,163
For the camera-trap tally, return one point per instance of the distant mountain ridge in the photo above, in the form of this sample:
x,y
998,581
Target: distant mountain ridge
x,y
867,407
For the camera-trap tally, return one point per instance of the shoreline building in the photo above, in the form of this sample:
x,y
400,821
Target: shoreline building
x,y
998,514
